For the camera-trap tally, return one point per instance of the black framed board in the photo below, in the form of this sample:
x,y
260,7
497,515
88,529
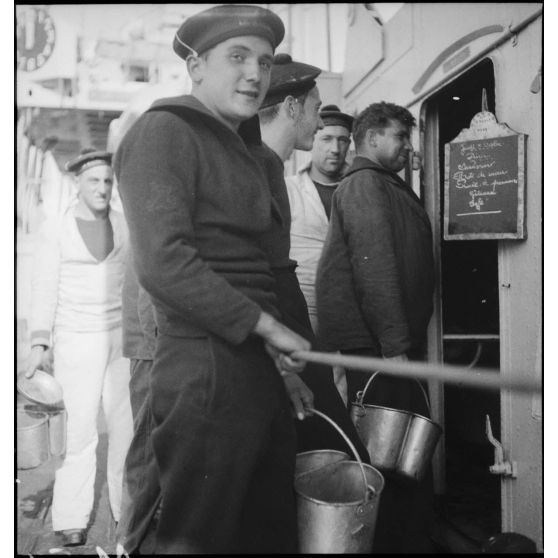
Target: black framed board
x,y
484,196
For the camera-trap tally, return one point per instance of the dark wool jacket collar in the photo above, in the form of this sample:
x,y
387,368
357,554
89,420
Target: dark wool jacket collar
x,y
249,130
362,163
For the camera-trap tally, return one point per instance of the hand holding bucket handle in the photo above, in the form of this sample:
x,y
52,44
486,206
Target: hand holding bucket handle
x,y
369,491
40,358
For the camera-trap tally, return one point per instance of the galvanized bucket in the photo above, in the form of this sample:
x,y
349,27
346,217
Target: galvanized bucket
x,y
43,394
32,439
310,460
338,505
57,422
382,430
418,448
398,441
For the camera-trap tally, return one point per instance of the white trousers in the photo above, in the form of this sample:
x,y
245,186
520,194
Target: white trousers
x,y
91,371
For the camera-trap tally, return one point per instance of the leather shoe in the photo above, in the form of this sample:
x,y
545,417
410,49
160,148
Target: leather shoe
x,y
73,537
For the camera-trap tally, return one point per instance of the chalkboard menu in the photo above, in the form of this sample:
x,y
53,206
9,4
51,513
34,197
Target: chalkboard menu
x,y
484,182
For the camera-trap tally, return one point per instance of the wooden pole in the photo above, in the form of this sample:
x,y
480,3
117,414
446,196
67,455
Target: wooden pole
x,y
482,378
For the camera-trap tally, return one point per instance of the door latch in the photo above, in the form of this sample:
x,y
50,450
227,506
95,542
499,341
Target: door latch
x,y
500,467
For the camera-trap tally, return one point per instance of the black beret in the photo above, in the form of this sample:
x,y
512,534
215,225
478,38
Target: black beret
x,y
213,26
332,116
289,78
88,158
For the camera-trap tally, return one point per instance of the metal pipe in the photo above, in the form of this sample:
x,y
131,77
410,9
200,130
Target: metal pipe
x,y
482,378
470,337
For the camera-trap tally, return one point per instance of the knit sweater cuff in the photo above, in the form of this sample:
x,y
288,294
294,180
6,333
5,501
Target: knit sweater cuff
x,y
395,342
245,325
40,337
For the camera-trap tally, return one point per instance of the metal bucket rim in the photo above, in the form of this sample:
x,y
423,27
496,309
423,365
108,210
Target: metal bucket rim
x,y
353,449
311,460
47,387
42,419
368,406
50,410
371,498
432,422
324,450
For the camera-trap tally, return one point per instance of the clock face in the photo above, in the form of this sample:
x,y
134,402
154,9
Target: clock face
x,y
35,38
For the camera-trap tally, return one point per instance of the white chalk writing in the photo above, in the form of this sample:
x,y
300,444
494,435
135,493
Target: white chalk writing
x,y
482,170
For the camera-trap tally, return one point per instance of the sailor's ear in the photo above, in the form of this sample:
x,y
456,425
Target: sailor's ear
x,y
290,106
195,66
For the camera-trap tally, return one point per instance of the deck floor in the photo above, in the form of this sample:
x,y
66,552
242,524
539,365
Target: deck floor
x,y
34,519
460,527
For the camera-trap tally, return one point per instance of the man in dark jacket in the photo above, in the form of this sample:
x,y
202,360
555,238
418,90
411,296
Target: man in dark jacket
x,y
375,284
196,204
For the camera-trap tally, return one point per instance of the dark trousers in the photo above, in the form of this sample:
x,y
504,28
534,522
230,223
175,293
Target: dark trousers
x,y
224,442
140,491
406,509
314,433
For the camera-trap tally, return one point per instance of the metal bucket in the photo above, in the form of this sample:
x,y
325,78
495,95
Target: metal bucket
x,y
57,421
338,505
32,439
57,432
382,430
418,448
397,441
43,394
310,460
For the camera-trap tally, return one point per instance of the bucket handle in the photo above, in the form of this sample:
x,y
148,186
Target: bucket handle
x,y
361,394
368,490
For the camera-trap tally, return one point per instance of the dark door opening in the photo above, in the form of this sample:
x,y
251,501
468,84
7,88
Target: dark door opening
x,y
470,329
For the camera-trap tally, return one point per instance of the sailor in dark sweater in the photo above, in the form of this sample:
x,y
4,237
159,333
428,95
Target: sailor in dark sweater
x,y
197,204
133,529
289,120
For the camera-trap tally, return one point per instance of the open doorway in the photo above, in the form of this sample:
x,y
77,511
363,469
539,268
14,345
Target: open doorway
x,y
468,318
